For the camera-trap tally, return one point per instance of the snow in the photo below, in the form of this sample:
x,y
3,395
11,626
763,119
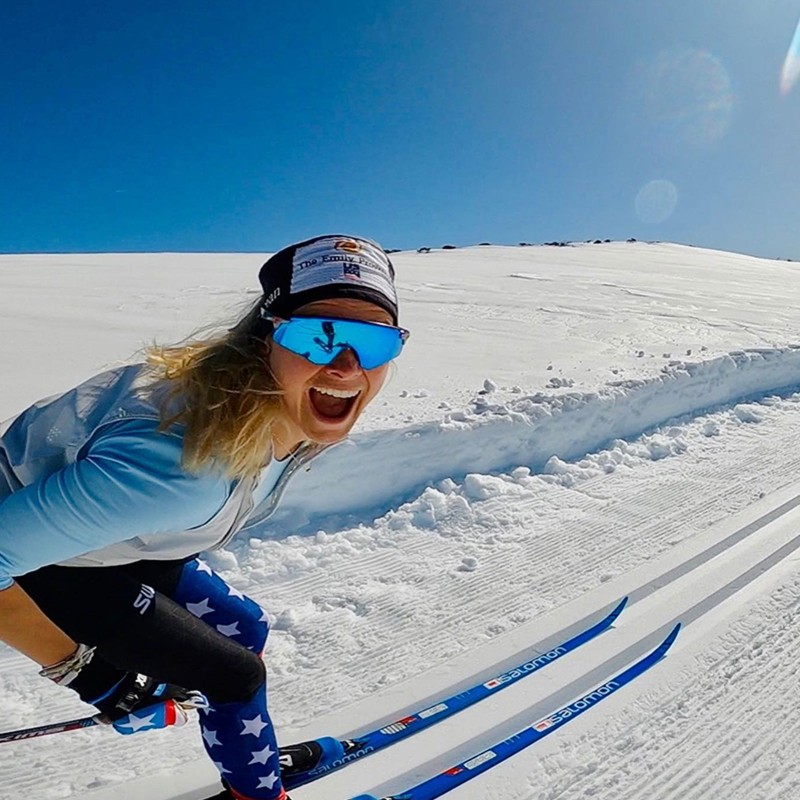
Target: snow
x,y
566,427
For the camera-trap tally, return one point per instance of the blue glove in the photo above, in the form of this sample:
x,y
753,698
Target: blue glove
x,y
129,701
142,704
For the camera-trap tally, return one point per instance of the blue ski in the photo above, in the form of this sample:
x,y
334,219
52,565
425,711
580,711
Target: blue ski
x,y
372,741
466,770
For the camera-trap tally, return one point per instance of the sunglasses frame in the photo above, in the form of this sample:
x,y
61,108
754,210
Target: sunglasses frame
x,y
276,322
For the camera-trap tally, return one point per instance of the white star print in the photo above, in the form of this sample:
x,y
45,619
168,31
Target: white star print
x,y
254,726
262,756
233,592
211,738
220,768
137,723
264,617
200,609
229,630
203,567
267,782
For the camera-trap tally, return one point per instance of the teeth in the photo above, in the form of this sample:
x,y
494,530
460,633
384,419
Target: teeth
x,y
338,392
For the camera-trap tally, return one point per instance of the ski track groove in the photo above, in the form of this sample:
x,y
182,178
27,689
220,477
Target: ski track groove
x,y
552,556
656,777
753,652
397,643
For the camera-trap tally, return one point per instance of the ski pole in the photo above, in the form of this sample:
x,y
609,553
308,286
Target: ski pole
x,y
45,730
192,702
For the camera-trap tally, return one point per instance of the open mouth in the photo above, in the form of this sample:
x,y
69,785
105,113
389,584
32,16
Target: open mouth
x,y
332,404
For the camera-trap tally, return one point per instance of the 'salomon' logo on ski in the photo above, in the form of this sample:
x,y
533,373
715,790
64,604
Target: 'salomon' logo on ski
x,y
563,714
526,668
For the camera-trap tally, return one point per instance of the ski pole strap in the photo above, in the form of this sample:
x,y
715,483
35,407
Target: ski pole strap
x,y
193,701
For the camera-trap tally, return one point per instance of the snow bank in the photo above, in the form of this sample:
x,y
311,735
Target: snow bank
x,y
363,478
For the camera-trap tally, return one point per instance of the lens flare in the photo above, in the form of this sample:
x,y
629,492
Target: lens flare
x,y
791,67
688,96
656,201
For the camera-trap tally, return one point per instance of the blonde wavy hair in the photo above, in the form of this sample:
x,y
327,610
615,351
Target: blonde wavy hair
x,y
221,389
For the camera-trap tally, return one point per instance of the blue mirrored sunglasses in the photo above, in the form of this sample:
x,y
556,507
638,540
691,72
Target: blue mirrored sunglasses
x,y
321,339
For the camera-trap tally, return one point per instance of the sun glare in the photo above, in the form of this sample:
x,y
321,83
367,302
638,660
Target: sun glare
x,y
689,95
656,201
791,67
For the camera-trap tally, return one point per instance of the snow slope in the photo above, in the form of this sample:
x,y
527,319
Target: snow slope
x,y
567,426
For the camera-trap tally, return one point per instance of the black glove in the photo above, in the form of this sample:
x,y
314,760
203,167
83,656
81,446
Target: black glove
x,y
130,693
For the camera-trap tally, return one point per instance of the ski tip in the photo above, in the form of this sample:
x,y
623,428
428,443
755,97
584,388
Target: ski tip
x,y
365,797
612,615
671,637
620,606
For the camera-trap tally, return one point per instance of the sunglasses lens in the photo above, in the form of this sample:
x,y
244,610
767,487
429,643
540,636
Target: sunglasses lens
x,y
321,340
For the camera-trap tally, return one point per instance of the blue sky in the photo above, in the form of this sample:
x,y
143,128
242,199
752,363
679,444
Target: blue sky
x,y
245,125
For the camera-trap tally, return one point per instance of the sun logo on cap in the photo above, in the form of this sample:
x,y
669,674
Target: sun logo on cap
x,y
348,245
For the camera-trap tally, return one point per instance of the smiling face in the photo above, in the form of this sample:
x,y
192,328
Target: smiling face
x,y
322,403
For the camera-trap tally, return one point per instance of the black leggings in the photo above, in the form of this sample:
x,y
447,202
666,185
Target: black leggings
x,y
139,630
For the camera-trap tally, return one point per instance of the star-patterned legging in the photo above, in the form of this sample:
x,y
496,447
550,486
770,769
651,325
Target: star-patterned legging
x,y
238,736
198,632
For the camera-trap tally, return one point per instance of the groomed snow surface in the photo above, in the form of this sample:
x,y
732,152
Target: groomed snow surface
x,y
567,426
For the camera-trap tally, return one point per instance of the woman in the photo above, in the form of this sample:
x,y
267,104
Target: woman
x,y
109,492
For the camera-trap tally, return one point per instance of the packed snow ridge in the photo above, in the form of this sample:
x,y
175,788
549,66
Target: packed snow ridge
x,y
539,431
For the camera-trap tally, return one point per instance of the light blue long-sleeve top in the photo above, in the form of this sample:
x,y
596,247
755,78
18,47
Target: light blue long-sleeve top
x,y
128,482
87,479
